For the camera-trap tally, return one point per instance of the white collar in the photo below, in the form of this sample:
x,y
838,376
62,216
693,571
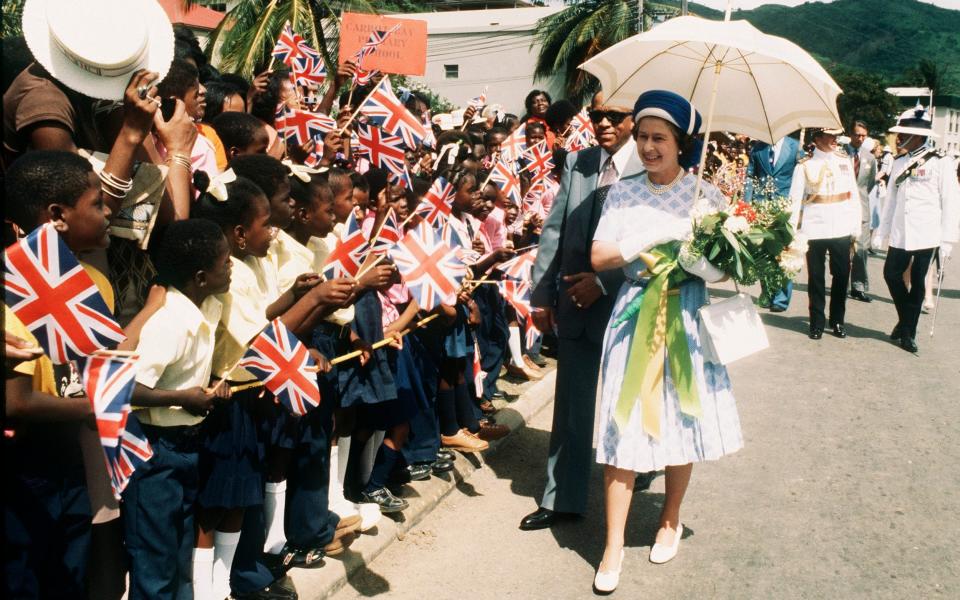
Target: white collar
x,y
621,157
189,314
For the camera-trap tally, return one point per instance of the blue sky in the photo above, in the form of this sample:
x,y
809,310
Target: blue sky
x,y
747,4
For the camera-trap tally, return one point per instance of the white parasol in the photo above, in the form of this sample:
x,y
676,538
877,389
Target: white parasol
x,y
752,83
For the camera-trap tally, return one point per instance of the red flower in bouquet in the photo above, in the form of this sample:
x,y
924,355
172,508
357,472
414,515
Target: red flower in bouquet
x,y
746,211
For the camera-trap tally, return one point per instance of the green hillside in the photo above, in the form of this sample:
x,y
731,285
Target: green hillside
x,y
887,37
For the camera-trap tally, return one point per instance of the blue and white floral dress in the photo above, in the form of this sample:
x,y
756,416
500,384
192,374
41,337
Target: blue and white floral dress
x,y
631,209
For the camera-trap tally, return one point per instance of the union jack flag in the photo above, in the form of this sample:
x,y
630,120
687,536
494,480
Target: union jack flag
x,y
513,146
383,108
347,258
478,373
381,149
520,266
377,37
308,65
517,293
533,201
109,382
283,364
437,202
389,234
135,450
299,126
402,178
431,269
505,178
478,102
288,45
455,239
363,77
541,161
55,299
581,133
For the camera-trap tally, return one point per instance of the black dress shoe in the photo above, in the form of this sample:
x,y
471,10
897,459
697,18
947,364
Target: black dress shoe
x,y
386,500
419,471
543,518
858,295
447,455
441,465
909,344
776,309
895,334
271,592
816,333
839,330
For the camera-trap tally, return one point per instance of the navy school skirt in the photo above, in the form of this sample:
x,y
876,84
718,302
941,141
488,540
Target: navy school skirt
x,y
231,454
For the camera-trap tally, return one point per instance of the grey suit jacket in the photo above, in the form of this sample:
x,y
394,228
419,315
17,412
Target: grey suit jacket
x,y
565,244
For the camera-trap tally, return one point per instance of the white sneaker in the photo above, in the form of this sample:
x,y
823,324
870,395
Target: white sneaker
x,y
370,515
661,553
606,581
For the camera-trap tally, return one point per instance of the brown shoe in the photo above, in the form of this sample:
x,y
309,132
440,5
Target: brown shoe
x,y
347,525
522,373
464,441
338,545
490,431
532,367
487,407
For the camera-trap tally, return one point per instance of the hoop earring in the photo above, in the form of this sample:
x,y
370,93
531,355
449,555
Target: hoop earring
x,y
242,244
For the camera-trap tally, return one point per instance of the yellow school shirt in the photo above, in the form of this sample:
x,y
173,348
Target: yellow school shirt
x,y
176,353
243,316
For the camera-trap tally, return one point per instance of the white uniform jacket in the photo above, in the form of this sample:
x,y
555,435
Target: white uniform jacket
x,y
924,209
825,197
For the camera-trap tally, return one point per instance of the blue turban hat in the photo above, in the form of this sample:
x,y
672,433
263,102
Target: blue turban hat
x,y
674,109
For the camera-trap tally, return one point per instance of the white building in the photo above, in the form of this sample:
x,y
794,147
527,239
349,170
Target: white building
x,y
470,50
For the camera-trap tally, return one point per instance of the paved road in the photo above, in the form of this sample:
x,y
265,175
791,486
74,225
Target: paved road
x,y
848,487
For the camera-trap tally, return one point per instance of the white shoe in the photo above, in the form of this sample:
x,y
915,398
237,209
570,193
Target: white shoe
x,y
370,515
661,553
607,581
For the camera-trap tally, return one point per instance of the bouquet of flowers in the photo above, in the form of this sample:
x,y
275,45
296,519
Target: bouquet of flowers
x,y
748,242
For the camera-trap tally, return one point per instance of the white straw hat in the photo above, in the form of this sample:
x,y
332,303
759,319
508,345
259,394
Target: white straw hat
x,y
95,46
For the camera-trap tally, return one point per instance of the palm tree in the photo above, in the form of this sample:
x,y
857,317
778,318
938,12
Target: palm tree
x,y
245,38
582,30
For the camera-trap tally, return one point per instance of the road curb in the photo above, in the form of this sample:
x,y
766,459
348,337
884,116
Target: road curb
x,y
423,496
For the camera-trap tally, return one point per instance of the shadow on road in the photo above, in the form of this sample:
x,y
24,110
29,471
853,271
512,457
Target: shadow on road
x,y
527,454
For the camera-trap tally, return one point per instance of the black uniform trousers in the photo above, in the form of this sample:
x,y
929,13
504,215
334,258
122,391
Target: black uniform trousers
x,y
908,302
817,251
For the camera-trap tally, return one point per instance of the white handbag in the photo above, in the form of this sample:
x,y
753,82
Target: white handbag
x,y
731,329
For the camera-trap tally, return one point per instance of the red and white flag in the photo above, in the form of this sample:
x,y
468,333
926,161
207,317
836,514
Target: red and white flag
x,y
504,176
580,134
300,126
389,234
519,267
513,146
540,161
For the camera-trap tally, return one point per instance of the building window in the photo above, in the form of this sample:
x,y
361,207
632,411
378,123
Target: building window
x,y
451,71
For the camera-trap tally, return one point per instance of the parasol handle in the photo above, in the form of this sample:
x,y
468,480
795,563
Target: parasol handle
x,y
706,134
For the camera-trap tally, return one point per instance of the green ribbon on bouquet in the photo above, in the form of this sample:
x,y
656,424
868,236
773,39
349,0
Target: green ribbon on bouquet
x,y
659,336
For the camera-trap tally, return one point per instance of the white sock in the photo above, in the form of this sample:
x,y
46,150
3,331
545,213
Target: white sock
x,y
337,502
516,354
203,573
343,456
224,547
274,504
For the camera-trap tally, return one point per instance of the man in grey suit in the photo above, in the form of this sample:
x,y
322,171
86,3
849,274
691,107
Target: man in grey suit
x,y
865,171
570,297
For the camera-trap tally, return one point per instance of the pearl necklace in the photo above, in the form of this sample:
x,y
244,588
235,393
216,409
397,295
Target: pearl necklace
x,y
659,190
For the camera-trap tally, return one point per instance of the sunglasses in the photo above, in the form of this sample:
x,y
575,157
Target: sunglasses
x,y
614,117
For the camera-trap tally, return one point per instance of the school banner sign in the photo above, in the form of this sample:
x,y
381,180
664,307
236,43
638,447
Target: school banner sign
x,y
387,44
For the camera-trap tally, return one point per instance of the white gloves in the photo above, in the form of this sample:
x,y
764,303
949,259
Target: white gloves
x,y
945,249
633,246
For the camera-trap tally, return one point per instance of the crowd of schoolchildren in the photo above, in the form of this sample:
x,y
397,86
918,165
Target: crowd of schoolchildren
x,y
200,225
